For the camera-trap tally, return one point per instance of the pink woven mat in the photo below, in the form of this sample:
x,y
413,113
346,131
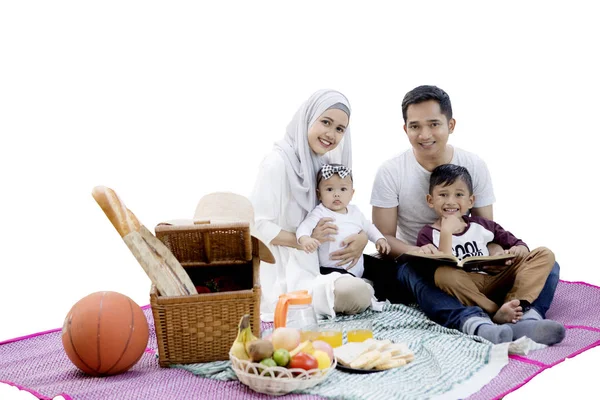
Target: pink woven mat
x,y
38,363
575,305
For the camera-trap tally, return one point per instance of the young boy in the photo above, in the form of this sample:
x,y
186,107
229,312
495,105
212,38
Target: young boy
x,y
516,287
335,191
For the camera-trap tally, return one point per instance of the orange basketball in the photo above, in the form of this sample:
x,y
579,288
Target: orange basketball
x,y
105,333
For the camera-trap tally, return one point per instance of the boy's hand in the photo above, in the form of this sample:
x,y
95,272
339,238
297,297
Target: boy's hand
x,y
519,251
309,244
383,246
453,224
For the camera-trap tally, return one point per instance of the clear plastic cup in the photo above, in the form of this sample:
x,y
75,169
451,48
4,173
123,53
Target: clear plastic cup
x,y
359,330
331,333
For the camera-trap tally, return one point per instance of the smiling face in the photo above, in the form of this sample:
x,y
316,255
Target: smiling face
x,y
453,199
428,129
327,131
336,193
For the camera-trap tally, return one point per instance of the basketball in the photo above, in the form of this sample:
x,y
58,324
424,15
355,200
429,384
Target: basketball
x,y
105,333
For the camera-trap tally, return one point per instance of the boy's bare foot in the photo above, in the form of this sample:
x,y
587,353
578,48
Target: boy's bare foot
x,y
510,311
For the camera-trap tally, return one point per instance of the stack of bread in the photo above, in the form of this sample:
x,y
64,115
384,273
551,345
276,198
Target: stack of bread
x,y
374,354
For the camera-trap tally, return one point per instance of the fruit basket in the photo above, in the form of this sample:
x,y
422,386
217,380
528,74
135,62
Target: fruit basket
x,y
277,381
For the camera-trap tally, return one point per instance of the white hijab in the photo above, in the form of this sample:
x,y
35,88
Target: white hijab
x,y
302,164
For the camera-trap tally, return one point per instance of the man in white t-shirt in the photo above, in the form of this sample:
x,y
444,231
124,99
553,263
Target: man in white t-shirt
x,y
400,211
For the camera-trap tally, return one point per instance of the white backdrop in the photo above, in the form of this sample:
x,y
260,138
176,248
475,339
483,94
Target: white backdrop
x,y
167,102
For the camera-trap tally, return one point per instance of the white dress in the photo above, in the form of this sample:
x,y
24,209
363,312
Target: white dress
x,y
275,209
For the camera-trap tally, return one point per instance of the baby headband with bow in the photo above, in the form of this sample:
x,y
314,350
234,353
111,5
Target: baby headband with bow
x,y
329,170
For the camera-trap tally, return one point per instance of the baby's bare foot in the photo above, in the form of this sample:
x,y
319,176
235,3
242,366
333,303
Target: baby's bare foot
x,y
510,311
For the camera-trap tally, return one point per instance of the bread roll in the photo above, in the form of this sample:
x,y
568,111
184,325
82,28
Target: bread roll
x,y
122,219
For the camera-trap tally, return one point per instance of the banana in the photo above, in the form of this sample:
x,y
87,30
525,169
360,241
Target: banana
x,y
305,347
238,348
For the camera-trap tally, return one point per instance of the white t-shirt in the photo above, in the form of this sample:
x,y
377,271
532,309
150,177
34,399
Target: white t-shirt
x,y
402,182
350,223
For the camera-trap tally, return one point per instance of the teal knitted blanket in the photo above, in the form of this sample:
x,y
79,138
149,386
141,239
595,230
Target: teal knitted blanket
x,y
447,362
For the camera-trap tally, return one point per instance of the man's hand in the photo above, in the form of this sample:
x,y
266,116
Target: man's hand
x,y
428,249
453,224
352,250
309,244
383,246
495,249
325,230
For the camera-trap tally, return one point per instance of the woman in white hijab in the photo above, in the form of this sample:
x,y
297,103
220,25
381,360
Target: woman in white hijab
x,y
284,193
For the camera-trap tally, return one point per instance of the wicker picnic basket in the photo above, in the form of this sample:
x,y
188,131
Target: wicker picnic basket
x,y
202,327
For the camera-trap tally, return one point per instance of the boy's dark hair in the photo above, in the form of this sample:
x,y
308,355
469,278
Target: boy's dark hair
x,y
424,93
447,174
320,174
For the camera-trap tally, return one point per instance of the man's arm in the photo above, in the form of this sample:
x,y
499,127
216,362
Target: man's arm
x,y
486,212
385,219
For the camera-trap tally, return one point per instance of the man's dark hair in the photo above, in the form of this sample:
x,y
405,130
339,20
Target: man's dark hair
x,y
447,174
424,93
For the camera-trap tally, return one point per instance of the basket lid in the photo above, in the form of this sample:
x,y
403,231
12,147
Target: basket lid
x,y
221,207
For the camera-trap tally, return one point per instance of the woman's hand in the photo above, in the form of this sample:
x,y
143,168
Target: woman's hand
x,y
353,250
324,230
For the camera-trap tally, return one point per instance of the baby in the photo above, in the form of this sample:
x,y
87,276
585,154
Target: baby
x,y
335,191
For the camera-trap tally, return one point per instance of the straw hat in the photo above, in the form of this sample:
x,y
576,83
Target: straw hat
x,y
222,207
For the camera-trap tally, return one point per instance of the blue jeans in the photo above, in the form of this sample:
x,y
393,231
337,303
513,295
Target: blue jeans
x,y
410,286
445,309
542,303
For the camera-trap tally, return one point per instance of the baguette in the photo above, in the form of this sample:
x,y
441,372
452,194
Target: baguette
x,y
163,269
122,219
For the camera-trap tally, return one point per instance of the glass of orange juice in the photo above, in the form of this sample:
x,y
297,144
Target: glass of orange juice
x,y
332,334
311,333
359,330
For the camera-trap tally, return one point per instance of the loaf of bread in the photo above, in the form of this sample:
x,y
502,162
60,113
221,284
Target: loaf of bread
x,y
163,269
122,219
